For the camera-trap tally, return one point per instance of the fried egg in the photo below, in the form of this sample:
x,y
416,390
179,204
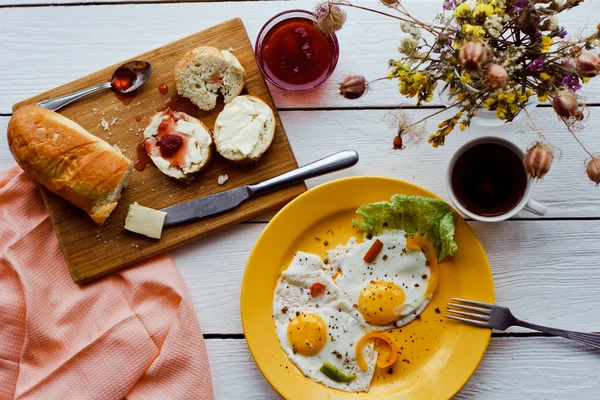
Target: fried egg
x,y
316,324
391,290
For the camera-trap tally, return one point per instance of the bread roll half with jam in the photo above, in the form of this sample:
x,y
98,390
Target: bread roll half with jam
x,y
205,71
244,129
178,144
68,160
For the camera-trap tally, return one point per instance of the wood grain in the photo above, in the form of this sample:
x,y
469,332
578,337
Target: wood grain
x,y
103,34
545,271
513,368
91,250
566,190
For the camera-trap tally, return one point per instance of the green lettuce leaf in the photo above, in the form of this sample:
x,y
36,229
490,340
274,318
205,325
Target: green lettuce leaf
x,y
430,218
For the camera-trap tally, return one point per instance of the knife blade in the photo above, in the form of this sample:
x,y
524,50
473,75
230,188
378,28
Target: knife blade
x,y
220,202
205,206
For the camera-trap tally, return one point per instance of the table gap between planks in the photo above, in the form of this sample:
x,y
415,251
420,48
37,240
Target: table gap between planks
x,y
544,268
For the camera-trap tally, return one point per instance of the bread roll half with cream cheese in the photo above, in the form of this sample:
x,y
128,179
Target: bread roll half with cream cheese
x,y
178,144
244,129
68,160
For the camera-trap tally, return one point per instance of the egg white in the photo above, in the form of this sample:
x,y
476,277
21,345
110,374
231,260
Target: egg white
x,y
292,297
394,263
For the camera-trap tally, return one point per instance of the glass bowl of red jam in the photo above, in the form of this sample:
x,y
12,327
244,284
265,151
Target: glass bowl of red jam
x,y
293,54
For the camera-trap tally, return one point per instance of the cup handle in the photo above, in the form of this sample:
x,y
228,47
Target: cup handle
x,y
536,208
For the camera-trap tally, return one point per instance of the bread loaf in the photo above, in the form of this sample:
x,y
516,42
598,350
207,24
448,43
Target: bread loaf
x,y
68,160
205,71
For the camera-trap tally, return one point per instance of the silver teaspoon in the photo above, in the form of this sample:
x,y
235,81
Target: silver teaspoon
x,y
127,78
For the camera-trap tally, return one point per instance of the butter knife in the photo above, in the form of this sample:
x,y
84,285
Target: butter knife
x,y
220,202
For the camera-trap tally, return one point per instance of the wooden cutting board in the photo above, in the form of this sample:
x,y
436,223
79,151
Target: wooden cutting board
x,y
92,250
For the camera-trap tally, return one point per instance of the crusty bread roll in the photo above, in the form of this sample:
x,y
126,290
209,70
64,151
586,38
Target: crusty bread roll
x,y
244,129
184,157
204,71
68,160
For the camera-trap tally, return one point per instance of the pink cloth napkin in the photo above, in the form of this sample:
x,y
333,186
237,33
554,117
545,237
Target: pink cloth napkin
x,y
133,334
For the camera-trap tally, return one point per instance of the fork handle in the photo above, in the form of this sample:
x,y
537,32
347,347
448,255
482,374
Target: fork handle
x,y
591,339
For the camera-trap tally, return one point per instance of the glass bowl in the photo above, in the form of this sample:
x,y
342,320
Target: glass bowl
x,y
270,76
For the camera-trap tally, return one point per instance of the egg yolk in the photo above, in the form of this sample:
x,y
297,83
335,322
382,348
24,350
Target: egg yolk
x,y
307,334
381,303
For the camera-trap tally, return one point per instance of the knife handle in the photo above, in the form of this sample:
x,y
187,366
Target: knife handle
x,y
332,163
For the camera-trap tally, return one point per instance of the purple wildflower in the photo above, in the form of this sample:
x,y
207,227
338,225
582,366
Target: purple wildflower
x,y
520,5
536,65
570,80
448,5
563,32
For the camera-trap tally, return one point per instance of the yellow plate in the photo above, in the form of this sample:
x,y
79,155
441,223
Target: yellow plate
x,y
438,356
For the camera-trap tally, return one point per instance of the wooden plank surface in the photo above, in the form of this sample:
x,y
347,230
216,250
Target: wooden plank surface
x,y
544,269
566,190
91,250
367,42
513,368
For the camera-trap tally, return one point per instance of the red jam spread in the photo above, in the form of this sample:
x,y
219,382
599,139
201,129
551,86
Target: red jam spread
x,y
168,143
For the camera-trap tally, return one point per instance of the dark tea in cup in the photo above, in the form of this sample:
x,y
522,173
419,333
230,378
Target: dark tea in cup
x,y
489,179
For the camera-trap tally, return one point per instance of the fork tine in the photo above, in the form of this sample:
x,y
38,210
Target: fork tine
x,y
472,302
469,321
480,310
485,318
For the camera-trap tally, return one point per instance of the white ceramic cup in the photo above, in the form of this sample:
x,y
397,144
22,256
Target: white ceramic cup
x,y
526,202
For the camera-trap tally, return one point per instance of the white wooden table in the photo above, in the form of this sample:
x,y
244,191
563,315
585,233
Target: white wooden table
x,y
546,269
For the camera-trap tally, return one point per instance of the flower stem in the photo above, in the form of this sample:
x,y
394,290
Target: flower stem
x,y
576,138
434,114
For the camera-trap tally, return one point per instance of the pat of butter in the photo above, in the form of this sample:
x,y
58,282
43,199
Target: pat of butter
x,y
145,221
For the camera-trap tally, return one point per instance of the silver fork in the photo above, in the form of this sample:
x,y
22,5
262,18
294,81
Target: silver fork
x,y
496,317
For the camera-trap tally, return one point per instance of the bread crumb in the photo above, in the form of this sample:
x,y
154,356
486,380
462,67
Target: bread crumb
x,y
95,110
114,121
130,129
222,179
230,49
105,126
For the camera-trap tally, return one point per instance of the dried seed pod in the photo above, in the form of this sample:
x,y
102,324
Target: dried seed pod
x,y
329,18
496,76
565,104
354,86
398,145
538,160
472,55
593,169
588,64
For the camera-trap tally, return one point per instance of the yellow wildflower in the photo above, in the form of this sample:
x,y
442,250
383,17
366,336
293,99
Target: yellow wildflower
x,y
501,113
523,98
461,96
474,30
450,75
466,78
489,102
545,76
585,79
462,11
452,90
483,8
546,43
463,125
510,98
542,98
513,108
